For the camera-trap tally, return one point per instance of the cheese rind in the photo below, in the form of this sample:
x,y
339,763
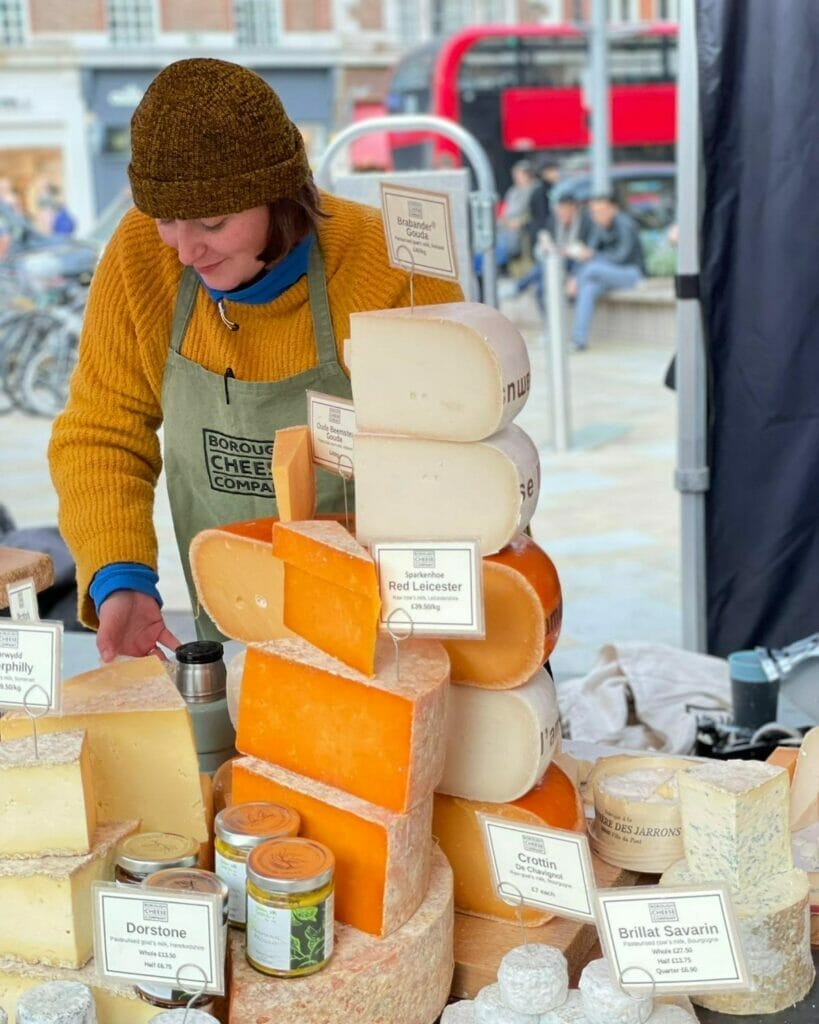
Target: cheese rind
x,y
523,613
489,1008
46,802
294,476
331,593
141,742
569,1012
606,1003
500,742
407,488
382,858
382,739
533,979
735,823
52,895
401,979
553,801
804,799
17,564
462,1012
455,372
57,1002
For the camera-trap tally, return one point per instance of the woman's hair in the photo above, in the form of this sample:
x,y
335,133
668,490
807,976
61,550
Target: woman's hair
x,y
290,221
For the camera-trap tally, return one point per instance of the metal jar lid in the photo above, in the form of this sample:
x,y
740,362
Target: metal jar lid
x,y
147,852
290,865
244,826
188,880
201,676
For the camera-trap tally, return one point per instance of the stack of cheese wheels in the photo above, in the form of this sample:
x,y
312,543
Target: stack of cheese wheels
x,y
438,457
329,726
735,829
120,756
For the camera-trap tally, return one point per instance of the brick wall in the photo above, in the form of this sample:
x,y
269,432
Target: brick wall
x,y
48,16
307,15
195,15
368,14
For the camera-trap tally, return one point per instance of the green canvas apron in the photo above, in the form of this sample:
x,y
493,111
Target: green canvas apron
x,y
218,431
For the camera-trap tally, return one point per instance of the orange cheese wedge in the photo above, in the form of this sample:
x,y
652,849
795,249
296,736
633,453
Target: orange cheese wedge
x,y
382,859
331,595
523,612
294,476
382,738
553,802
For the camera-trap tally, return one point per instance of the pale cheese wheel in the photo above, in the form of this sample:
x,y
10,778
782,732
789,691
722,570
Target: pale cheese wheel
x,y
491,1009
500,742
533,978
454,372
408,488
804,793
57,1002
571,1011
462,1012
404,978
605,1002
3,1018
233,684
670,1014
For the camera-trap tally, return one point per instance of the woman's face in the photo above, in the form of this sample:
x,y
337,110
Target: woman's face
x,y
224,251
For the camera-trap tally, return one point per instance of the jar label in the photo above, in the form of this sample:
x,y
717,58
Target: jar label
x,y
234,874
290,940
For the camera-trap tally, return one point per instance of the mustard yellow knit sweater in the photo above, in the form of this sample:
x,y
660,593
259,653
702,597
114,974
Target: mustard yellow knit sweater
x,y
104,453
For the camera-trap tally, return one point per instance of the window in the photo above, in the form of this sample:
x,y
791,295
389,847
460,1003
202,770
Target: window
x,y
409,22
12,23
449,16
668,10
130,22
257,22
623,11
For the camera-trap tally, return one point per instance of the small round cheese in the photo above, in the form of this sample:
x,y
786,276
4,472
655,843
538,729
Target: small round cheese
x,y
177,1016
57,1002
462,1012
533,978
491,1009
570,1012
605,1002
667,1013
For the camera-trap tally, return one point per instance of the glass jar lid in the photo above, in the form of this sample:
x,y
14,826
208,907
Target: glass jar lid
x,y
188,880
246,825
290,865
147,852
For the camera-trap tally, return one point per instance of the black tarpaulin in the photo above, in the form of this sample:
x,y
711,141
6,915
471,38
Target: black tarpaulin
x,y
759,93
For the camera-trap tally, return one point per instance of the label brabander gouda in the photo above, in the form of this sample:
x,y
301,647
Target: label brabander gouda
x,y
413,489
456,372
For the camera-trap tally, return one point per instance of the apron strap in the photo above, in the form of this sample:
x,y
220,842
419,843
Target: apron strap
x,y
320,307
185,301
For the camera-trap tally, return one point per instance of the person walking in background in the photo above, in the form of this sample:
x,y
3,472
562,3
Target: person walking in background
x,y
612,260
540,200
512,219
62,222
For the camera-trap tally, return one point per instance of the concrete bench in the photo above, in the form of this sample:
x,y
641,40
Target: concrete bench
x,y
645,313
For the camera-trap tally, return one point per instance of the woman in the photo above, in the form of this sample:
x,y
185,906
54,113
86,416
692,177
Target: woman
x,y
220,300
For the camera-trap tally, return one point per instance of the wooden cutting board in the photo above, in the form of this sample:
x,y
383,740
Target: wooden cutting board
x,y
480,945
17,564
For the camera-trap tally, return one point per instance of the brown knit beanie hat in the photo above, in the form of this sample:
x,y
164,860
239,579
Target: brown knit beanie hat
x,y
211,138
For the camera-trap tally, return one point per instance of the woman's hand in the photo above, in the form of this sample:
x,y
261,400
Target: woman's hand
x,y
131,623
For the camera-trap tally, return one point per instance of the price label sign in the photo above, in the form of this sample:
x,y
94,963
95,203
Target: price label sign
x,y
438,584
31,665
418,229
332,429
147,936
672,940
547,868
23,601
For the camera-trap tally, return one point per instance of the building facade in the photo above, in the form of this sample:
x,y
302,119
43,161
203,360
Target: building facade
x,y
72,71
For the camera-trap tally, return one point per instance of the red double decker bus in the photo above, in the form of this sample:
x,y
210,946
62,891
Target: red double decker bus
x,y
520,90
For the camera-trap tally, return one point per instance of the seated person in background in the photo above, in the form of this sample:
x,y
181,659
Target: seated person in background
x,y
541,214
514,213
567,232
611,260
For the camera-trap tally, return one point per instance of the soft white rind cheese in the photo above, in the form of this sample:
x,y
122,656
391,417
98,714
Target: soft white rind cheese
x,y
57,1002
651,785
454,372
533,978
805,845
500,742
606,1003
735,821
183,1016
462,1012
571,1011
407,488
491,1009
666,1014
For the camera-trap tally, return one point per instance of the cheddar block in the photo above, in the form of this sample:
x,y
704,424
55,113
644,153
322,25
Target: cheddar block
x,y
402,979
382,858
47,901
331,595
140,737
238,581
455,372
17,564
46,802
735,821
553,802
407,488
294,477
523,611
804,798
785,757
115,1004
500,742
381,739
772,919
